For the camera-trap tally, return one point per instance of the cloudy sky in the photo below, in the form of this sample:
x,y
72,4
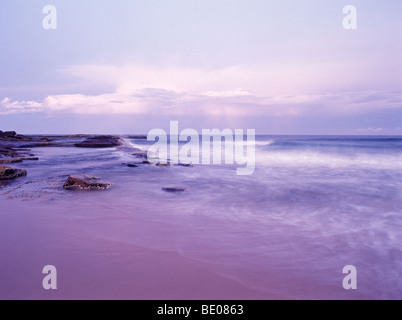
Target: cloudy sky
x,y
129,66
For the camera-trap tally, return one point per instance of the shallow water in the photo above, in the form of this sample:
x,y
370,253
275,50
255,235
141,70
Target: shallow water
x,y
313,206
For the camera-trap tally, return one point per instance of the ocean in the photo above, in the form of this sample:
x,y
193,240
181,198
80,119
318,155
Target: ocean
x,y
314,205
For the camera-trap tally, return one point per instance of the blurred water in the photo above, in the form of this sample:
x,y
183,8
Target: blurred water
x,y
313,206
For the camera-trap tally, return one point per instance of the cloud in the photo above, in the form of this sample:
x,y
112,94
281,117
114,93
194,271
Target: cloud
x,y
266,90
370,130
261,79
9,107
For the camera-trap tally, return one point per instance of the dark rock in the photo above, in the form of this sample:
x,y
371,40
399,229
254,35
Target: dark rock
x,y
173,190
8,173
30,159
140,137
163,164
100,142
142,155
185,165
146,162
132,165
9,152
29,146
21,137
10,134
10,161
16,155
5,151
82,182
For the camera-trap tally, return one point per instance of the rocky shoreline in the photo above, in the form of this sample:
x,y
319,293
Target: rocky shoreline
x,y
16,148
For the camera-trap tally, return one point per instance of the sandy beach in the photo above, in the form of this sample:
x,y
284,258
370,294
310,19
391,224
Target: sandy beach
x,y
95,268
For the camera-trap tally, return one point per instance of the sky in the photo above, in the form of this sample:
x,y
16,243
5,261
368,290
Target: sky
x,y
130,66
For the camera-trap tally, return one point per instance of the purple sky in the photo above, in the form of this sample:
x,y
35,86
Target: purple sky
x,y
280,67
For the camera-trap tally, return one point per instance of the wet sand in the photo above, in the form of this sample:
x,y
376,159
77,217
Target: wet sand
x,y
94,268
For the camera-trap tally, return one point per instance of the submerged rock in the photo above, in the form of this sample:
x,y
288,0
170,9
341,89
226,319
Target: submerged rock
x,y
159,164
43,145
82,182
141,155
13,155
132,165
173,190
100,142
45,140
189,165
8,161
8,173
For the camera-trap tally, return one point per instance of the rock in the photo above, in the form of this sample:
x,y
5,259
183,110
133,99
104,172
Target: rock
x,y
82,182
173,190
8,173
185,165
21,137
100,142
10,134
140,137
17,138
130,165
146,162
5,151
9,152
163,164
15,155
10,161
142,155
